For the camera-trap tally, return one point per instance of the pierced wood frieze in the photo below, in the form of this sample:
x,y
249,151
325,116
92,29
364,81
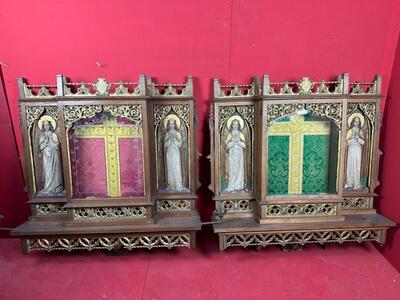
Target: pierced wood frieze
x,y
134,212
49,209
174,205
235,205
356,202
309,209
129,242
303,237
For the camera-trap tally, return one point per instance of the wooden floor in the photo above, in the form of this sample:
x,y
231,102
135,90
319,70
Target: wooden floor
x,y
348,271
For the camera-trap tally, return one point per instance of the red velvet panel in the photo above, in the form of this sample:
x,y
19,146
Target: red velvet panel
x,y
89,168
131,167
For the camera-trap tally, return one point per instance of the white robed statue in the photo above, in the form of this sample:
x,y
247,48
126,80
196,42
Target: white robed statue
x,y
50,153
172,146
235,145
355,141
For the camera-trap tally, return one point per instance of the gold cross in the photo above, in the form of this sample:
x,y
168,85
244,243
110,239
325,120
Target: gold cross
x,y
110,131
296,129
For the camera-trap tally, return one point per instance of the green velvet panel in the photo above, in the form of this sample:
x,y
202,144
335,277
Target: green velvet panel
x,y
315,164
278,165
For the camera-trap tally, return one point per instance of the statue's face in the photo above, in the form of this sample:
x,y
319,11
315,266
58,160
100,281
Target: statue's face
x,y
235,125
356,122
171,124
46,126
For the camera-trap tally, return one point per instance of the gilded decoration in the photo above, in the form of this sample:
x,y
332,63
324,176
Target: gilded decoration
x,y
138,212
174,205
43,90
369,109
111,131
169,89
34,112
297,132
73,113
48,209
102,88
356,202
332,111
236,205
226,112
161,110
131,112
147,241
237,90
306,87
301,237
364,88
303,209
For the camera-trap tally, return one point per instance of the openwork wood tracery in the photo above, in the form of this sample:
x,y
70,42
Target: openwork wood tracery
x,y
90,151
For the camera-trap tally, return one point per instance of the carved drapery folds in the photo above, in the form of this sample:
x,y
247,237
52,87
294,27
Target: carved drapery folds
x,y
236,137
172,135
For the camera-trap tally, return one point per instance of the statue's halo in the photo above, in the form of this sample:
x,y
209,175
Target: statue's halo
x,y
356,115
48,119
238,118
172,117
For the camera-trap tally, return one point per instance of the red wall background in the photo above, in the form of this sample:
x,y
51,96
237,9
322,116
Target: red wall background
x,y
230,39
389,203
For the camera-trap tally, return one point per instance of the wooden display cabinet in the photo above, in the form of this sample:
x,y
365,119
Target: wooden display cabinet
x,y
296,162
109,165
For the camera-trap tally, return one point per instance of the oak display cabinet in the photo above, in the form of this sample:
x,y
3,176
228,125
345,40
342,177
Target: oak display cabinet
x,y
296,162
109,165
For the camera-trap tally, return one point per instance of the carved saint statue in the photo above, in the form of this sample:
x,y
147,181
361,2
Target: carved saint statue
x,y
355,141
172,150
235,146
49,152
